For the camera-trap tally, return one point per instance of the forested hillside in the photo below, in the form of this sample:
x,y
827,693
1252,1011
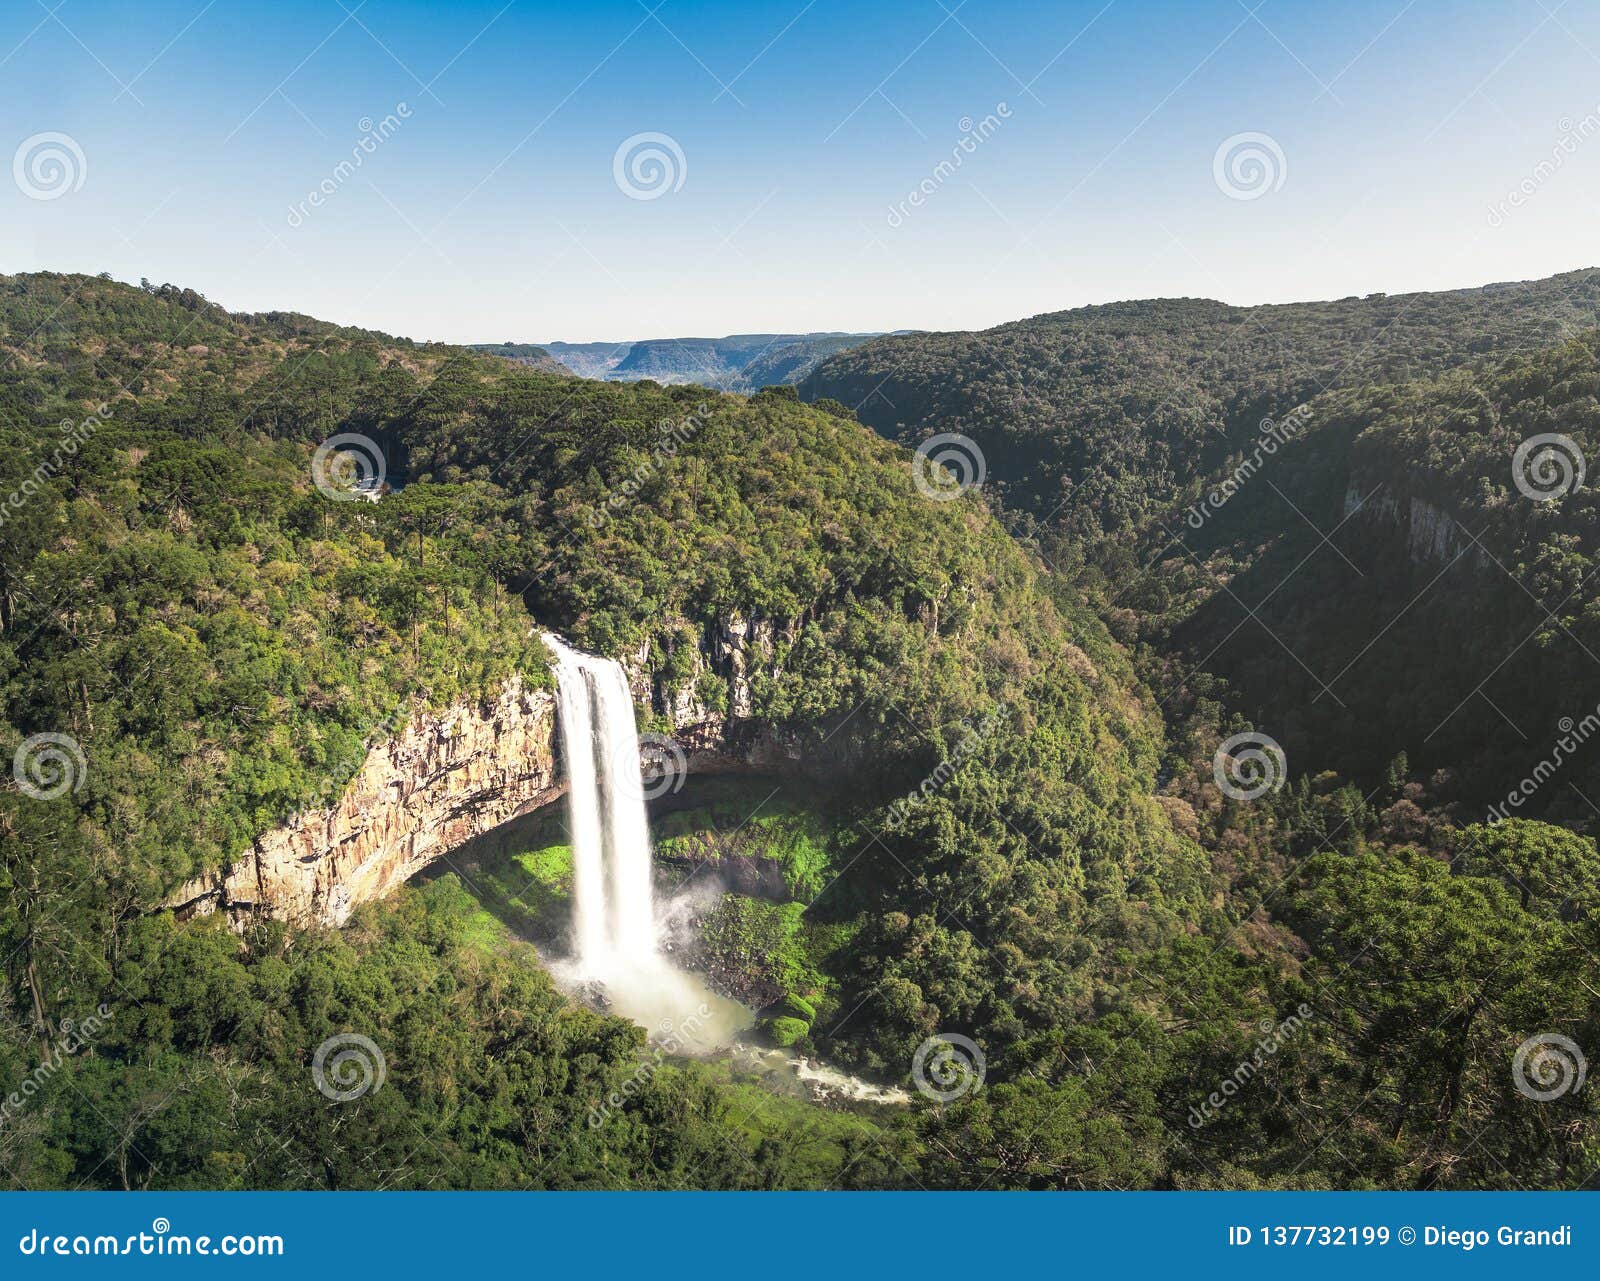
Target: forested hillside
x,y
1236,486
524,353
1455,574
219,639
1092,421
1043,856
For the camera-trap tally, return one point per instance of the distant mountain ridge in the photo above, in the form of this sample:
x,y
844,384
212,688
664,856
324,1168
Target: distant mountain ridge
x,y
734,362
525,353
1096,418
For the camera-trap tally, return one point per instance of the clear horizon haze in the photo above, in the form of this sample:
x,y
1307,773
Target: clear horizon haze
x,y
531,172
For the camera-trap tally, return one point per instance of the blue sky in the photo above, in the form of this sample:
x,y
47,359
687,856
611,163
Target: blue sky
x,y
1394,135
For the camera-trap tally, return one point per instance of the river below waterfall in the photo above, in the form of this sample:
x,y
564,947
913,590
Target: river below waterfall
x,y
619,964
684,1018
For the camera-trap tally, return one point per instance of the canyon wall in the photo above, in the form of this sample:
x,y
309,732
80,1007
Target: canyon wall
x,y
455,774
447,777
1432,534
703,685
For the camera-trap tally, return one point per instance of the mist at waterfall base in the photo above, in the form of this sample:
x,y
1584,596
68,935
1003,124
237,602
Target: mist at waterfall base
x,y
615,930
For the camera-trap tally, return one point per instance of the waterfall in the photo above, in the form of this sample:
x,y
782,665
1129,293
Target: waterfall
x,y
613,916
627,829
614,931
613,899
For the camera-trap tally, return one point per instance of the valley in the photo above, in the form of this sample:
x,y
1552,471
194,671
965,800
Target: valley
x,y
1102,429
956,797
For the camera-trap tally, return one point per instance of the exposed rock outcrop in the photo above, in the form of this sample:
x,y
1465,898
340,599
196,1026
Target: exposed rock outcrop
x,y
700,682
448,777
704,685
1431,533
456,774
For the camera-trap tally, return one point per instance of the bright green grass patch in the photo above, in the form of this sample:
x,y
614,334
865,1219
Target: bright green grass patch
x,y
549,868
485,932
739,818
771,955
786,1031
531,890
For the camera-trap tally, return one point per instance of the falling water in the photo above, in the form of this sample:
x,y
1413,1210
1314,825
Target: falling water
x,y
613,909
613,912
583,804
627,829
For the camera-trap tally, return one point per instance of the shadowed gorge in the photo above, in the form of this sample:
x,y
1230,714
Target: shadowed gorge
x,y
1253,492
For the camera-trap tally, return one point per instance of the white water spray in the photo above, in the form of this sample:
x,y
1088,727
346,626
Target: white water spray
x,y
613,909
613,919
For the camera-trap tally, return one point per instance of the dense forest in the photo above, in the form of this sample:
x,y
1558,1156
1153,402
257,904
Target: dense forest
x,y
1432,533
1081,895
1247,494
1093,420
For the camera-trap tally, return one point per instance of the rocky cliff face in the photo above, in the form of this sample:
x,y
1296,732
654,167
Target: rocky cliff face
x,y
446,778
703,685
1431,533
453,775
